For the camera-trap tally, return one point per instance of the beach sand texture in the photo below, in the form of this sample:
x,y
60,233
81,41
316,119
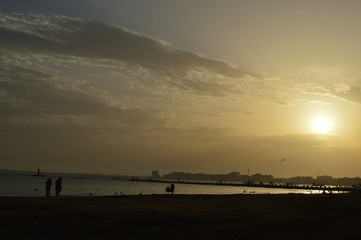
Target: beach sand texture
x,y
290,216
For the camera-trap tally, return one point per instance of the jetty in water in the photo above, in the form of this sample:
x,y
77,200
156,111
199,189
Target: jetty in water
x,y
321,188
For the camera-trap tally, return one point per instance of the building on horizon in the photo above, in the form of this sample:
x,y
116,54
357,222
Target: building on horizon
x,y
155,174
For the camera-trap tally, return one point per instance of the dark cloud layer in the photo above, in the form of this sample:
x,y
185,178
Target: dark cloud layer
x,y
25,94
91,39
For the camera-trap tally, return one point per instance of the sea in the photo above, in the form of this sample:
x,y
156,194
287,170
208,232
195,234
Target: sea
x,y
20,183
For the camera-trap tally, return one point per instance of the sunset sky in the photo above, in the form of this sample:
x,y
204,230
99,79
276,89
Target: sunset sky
x,y
127,87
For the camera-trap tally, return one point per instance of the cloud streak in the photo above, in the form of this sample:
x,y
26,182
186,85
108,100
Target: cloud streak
x,y
91,39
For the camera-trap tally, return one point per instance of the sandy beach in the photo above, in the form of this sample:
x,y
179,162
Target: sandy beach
x,y
290,216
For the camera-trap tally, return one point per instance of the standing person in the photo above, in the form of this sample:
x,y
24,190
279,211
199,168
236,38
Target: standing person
x,y
172,187
58,186
48,186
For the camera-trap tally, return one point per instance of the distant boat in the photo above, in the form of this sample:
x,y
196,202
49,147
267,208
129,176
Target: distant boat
x,y
38,174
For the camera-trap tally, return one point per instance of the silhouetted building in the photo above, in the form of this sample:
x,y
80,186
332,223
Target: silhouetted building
x,y
231,177
155,174
325,180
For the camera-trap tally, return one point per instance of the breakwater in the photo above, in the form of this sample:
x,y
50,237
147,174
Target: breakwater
x,y
321,188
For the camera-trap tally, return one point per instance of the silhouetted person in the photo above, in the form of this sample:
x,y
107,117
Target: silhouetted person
x,y
48,186
58,186
172,187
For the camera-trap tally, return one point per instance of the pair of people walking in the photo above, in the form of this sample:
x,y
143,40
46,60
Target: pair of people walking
x,y
170,189
58,186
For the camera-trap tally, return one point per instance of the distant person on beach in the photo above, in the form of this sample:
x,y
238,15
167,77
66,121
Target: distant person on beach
x,y
58,186
172,187
48,186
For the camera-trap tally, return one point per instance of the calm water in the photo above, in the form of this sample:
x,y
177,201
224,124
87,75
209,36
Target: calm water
x,y
24,184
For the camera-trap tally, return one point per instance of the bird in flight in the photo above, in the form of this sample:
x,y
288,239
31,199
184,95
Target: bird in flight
x,y
283,160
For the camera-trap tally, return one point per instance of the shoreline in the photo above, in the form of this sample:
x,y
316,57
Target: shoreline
x,y
257,185
164,216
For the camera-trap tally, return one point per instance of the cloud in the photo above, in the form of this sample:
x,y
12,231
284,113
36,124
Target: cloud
x,y
352,93
28,100
61,35
79,40
341,91
202,87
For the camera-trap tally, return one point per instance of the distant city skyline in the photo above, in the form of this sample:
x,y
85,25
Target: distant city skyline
x,y
266,178
126,87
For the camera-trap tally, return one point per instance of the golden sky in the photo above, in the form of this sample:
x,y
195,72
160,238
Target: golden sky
x,y
128,87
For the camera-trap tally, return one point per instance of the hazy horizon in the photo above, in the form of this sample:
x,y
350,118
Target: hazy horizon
x,y
127,87
44,174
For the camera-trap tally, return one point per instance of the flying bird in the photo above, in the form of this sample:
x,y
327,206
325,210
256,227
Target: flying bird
x,y
283,160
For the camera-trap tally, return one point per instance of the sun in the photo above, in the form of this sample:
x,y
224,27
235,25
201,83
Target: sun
x,y
321,125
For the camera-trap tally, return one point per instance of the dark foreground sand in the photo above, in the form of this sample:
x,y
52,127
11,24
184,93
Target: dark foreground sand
x,y
336,216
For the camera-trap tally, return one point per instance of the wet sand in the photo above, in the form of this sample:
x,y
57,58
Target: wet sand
x,y
290,216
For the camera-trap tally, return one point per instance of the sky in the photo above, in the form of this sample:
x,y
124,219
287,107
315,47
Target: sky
x,y
128,87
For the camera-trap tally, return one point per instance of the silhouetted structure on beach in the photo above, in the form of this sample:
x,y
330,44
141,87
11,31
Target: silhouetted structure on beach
x,y
38,173
231,177
155,174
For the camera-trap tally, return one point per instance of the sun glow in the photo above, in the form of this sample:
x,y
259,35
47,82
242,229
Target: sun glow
x,y
321,125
